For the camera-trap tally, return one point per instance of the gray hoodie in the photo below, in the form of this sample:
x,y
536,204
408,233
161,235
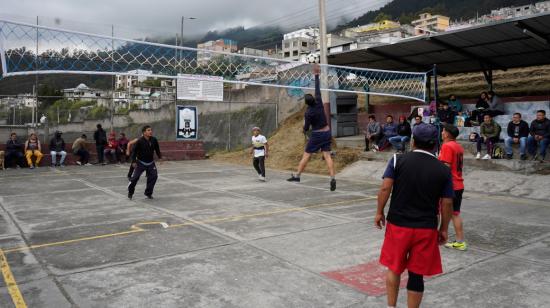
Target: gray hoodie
x,y
373,128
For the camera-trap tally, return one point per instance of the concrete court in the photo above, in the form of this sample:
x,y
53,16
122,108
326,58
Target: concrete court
x,y
72,239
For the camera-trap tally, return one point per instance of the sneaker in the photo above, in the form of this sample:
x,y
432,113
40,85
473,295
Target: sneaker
x,y
31,167
262,178
53,165
130,196
333,185
88,164
376,148
149,197
293,179
456,245
61,165
509,156
17,167
523,157
536,157
486,157
78,163
478,155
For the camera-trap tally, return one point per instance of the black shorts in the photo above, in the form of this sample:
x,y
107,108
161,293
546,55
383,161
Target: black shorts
x,y
457,201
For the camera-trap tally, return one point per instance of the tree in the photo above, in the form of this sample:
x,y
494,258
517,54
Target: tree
x,y
382,16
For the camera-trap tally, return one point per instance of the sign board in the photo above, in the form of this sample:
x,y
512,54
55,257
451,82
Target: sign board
x,y
187,127
200,87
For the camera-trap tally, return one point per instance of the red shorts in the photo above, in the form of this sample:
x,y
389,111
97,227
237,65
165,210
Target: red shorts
x,y
416,250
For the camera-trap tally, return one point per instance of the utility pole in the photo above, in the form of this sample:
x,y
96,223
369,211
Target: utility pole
x,y
324,59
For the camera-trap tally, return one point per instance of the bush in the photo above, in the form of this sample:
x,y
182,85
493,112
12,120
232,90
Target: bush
x,y
98,112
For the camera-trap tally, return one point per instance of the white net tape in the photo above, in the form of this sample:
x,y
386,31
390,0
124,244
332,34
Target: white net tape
x,y
29,49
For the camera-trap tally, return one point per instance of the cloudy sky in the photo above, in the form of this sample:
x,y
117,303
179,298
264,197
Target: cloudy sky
x,y
139,18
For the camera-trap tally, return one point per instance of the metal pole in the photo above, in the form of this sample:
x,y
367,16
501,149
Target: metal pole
x,y
436,90
35,106
323,47
112,76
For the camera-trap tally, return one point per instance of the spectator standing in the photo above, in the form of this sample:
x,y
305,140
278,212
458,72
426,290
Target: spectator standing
x,y
100,138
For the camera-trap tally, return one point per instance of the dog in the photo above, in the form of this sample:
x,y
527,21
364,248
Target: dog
x,y
2,167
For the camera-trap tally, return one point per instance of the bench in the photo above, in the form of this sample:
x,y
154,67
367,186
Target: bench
x,y
171,150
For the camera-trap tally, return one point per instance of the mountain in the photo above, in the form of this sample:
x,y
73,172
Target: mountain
x,y
406,10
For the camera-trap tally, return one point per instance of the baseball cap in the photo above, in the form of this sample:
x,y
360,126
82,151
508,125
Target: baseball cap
x,y
425,133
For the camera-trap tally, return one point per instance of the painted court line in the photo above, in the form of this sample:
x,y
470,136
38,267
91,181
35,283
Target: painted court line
x,y
13,289
135,228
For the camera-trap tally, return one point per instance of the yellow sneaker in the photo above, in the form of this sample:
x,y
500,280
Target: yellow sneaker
x,y
456,245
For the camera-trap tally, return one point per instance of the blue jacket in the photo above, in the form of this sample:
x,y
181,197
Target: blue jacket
x,y
390,129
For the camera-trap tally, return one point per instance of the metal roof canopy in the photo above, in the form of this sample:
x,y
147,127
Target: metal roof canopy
x,y
512,43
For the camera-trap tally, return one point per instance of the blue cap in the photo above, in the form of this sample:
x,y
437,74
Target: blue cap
x,y
425,133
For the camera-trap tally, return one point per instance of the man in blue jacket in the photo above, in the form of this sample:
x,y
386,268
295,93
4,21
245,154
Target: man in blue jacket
x,y
316,120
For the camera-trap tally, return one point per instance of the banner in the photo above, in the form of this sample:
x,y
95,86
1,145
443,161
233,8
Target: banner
x,y
200,88
186,123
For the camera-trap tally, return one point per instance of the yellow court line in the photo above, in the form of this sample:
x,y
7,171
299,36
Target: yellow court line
x,y
136,229
13,289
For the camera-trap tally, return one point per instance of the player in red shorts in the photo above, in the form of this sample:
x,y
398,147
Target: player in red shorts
x,y
452,155
417,181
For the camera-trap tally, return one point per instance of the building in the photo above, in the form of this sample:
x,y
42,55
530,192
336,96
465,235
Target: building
x,y
370,28
298,43
123,82
84,93
254,52
221,45
428,23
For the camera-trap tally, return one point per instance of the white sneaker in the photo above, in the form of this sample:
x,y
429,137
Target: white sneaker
x,y
487,156
262,178
78,163
478,155
88,164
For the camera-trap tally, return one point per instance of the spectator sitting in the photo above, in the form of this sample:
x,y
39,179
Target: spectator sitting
x,y
489,134
14,150
417,121
445,114
403,135
79,149
111,147
539,135
372,133
518,131
57,146
388,130
33,148
481,108
496,107
454,104
122,146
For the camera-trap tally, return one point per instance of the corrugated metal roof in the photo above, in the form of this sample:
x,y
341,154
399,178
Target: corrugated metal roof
x,y
513,43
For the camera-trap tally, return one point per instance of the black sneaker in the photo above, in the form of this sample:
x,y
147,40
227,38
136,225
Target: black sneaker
x,y
293,179
130,196
509,156
149,196
523,157
333,185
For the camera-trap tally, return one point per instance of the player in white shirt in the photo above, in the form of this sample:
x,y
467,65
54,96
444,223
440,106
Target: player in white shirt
x,y
259,150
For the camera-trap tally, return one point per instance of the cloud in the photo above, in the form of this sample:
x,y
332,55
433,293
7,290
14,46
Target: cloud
x,y
140,18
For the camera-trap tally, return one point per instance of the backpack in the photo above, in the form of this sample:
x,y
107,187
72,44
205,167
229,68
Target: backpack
x,y
498,152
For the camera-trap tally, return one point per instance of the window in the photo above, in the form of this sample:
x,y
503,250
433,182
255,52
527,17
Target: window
x,y
287,45
304,44
98,94
287,54
295,53
347,47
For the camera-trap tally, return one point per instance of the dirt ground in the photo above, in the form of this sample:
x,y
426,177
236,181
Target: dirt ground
x,y
286,147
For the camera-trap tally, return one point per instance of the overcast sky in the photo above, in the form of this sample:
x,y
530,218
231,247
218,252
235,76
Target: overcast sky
x,y
139,18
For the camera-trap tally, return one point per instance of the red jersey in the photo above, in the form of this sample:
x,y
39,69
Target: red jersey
x,y
452,153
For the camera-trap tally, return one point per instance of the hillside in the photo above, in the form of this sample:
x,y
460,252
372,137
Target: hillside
x,y
406,10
